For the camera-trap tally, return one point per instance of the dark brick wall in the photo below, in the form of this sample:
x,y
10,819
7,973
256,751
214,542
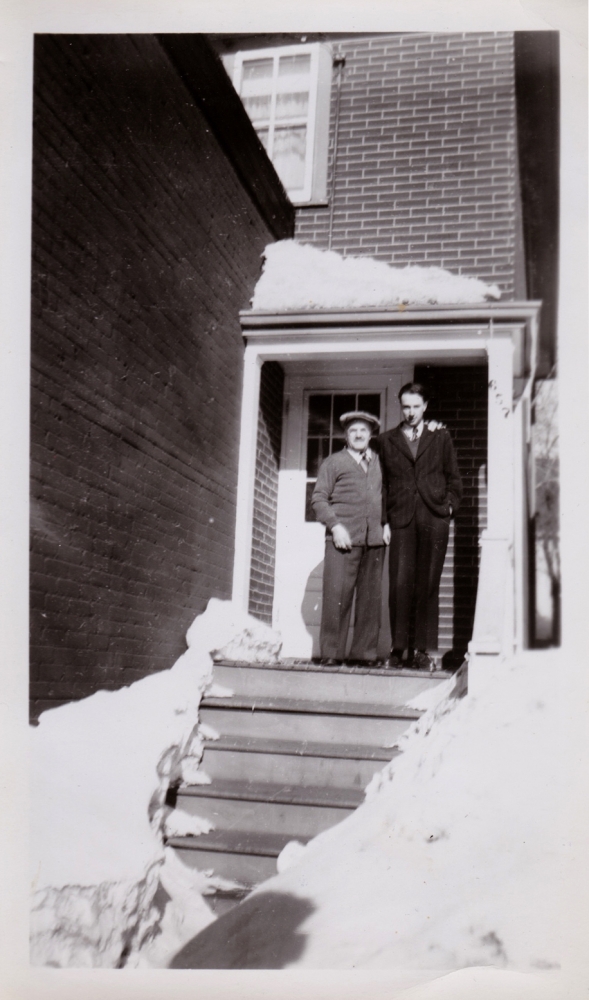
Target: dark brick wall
x,y
459,398
145,247
266,491
426,166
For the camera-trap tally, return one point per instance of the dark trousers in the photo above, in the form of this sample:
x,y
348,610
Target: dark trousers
x,y
359,570
416,560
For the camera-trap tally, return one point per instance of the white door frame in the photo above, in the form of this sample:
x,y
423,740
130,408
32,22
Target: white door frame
x,y
300,544
502,335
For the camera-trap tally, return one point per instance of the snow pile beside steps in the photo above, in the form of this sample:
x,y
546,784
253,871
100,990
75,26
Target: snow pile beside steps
x,y
460,857
101,768
298,276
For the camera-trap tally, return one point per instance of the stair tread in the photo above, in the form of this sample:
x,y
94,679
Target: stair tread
x,y
309,667
258,791
237,842
298,748
300,705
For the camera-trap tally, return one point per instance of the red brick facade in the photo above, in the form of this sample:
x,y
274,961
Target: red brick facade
x,y
266,491
426,159
426,172
145,247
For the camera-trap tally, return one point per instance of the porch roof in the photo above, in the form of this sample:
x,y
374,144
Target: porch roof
x,y
519,320
505,312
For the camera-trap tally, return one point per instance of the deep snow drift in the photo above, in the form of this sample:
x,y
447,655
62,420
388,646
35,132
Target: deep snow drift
x,y
101,768
299,276
459,857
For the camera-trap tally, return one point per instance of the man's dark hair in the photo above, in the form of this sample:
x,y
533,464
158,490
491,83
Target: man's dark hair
x,y
417,389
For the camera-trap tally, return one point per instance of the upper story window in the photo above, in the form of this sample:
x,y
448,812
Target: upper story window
x,y
286,93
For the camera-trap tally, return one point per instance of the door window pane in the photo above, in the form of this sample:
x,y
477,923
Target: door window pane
x,y
341,404
320,415
370,403
313,445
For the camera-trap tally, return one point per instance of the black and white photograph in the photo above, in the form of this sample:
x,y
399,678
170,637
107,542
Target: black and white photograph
x,y
295,440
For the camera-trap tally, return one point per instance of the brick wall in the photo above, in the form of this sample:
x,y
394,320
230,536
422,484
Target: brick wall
x,y
459,398
266,491
145,247
426,169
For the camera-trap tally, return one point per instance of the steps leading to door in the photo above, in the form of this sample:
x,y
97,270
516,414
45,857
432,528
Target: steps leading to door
x,y
314,683
298,743
292,762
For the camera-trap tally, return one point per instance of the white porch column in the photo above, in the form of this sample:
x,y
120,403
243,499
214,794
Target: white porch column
x,y
494,627
500,470
245,477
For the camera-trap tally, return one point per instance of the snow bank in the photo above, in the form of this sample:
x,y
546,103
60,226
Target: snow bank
x,y
101,768
456,859
297,276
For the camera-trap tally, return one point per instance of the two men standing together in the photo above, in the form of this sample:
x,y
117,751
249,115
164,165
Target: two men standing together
x,y
403,497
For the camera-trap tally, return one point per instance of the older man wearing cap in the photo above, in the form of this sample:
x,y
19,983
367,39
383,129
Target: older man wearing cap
x,y
347,499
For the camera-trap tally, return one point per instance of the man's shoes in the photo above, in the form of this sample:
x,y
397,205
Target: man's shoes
x,y
396,658
330,661
421,661
365,663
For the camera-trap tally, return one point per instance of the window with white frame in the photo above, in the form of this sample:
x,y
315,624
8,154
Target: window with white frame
x,y
286,93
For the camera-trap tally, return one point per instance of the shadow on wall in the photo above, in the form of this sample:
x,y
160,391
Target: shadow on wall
x,y
467,532
311,605
260,933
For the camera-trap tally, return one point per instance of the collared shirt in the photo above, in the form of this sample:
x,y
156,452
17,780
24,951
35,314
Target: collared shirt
x,y
358,456
408,431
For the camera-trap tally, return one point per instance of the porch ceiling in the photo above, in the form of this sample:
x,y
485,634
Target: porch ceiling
x,y
346,364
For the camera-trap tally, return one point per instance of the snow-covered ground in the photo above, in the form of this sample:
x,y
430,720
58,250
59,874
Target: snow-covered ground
x,y
455,873
101,768
299,276
461,856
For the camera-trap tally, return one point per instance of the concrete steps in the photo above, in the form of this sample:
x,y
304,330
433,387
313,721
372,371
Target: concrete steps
x,y
298,744
311,763
313,724
312,683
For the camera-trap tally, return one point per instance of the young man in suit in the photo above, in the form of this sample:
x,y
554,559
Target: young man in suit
x,y
347,499
422,490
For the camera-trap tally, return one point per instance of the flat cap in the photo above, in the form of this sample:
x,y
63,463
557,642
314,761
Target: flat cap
x,y
369,418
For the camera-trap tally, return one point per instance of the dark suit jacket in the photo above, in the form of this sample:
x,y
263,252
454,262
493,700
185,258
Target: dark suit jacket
x,y
433,475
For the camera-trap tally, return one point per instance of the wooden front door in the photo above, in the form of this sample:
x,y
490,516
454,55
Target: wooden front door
x,y
312,432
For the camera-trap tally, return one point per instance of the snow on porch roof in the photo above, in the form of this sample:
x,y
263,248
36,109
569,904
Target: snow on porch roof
x,y
302,278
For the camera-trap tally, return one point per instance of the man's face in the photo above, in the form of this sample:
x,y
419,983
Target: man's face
x,y
413,406
358,435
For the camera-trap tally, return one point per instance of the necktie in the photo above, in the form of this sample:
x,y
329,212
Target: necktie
x,y
364,461
414,434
